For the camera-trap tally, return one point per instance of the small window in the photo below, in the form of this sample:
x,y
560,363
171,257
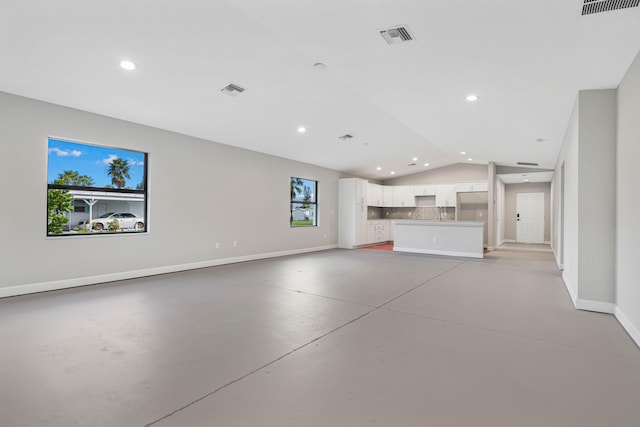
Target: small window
x,y
86,180
304,205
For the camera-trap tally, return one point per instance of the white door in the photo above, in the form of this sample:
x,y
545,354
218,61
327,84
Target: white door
x,y
530,217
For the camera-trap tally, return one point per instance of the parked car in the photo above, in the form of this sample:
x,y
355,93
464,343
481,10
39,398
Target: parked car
x,y
126,220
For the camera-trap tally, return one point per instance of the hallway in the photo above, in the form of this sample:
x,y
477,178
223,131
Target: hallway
x,y
333,338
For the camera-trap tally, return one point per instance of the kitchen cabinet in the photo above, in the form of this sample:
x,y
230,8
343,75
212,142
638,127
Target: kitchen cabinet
x,y
387,195
470,187
374,195
424,190
403,196
352,213
446,195
378,231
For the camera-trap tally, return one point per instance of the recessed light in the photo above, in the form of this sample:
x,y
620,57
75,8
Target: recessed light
x,y
470,159
415,159
128,65
472,98
319,66
392,173
526,180
378,168
426,164
302,129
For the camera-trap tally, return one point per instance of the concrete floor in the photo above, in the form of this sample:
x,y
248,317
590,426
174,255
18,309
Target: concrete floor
x,y
335,338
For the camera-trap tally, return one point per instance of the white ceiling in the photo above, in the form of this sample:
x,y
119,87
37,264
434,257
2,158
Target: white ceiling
x,y
526,60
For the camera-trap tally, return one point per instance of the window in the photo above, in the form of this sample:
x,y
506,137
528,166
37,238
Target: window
x,y
304,205
95,190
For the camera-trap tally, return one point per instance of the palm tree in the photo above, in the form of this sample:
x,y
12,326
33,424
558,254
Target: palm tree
x,y
71,177
118,171
296,188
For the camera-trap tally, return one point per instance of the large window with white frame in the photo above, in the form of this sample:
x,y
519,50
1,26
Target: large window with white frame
x,y
304,203
93,189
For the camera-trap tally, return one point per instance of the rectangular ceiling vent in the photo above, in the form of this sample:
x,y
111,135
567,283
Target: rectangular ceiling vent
x,y
527,164
232,90
345,137
597,6
396,35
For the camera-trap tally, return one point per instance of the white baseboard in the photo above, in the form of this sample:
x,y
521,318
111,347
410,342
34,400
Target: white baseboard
x,y
509,241
599,306
112,277
567,285
631,329
586,304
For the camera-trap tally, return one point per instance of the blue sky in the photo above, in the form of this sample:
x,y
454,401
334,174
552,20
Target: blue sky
x,y
311,185
92,161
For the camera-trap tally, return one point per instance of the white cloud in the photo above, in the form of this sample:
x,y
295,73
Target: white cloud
x,y
108,160
133,162
65,153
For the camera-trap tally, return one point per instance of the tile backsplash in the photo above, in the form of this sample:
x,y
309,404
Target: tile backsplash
x,y
425,213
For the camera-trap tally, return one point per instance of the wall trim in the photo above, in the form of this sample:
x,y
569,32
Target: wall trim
x,y
598,306
55,285
567,285
628,326
509,241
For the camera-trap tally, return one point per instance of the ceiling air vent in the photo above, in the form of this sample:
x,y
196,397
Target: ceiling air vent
x,y
527,164
597,6
232,90
397,35
345,137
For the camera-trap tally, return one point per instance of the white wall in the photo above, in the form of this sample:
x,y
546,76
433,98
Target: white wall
x,y
597,195
569,158
628,202
588,155
200,193
451,174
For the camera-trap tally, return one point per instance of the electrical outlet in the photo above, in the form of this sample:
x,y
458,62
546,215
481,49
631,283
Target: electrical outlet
x,y
235,243
217,245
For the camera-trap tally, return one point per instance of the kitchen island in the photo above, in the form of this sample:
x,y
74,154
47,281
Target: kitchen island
x,y
453,238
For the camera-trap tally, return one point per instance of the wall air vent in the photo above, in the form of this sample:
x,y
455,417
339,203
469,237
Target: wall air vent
x,y
597,6
345,137
232,90
527,164
396,35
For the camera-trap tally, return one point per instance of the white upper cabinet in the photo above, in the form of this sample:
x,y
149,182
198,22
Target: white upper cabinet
x,y
403,196
446,195
387,195
361,191
470,187
374,195
424,190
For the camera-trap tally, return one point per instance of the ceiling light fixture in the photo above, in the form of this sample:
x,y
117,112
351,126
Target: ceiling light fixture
x,y
426,164
472,98
302,129
319,66
392,173
463,152
470,159
415,159
128,65
378,168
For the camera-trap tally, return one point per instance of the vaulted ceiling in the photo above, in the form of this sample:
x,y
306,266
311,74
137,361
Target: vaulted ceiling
x,y
525,60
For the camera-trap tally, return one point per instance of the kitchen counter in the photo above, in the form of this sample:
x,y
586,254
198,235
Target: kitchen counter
x,y
453,238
